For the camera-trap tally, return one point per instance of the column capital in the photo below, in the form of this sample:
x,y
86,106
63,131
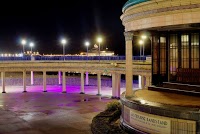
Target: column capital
x,y
128,36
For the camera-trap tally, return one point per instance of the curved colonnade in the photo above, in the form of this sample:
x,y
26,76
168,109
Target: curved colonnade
x,y
104,67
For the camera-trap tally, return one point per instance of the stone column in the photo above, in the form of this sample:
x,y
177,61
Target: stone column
x,y
142,82
82,83
147,81
86,78
59,77
3,82
116,81
129,60
64,82
32,78
44,81
139,81
99,83
24,81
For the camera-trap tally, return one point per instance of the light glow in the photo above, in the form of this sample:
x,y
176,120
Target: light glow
x,y
23,42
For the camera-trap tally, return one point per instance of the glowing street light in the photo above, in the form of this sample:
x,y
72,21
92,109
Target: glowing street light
x,y
99,40
144,37
31,45
23,42
63,42
141,42
87,43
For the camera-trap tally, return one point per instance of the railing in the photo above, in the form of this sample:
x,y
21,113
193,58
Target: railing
x,y
141,58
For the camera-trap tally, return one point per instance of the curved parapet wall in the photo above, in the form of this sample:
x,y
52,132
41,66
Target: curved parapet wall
x,y
161,14
143,114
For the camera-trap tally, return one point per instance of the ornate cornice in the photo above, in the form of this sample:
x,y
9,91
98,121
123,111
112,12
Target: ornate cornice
x,y
143,14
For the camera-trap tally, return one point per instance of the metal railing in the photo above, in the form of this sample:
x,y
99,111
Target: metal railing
x,y
141,58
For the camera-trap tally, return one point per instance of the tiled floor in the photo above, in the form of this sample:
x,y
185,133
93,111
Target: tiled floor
x,y
36,112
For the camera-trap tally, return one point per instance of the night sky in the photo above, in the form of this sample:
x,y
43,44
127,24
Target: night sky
x,y
45,22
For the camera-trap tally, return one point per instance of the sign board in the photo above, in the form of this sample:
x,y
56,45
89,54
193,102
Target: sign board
x,y
155,124
149,123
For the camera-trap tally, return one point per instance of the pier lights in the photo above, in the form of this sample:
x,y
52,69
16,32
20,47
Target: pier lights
x,y
87,43
31,46
63,41
23,42
99,40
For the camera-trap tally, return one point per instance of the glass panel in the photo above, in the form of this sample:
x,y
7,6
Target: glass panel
x,y
185,51
162,55
173,55
194,50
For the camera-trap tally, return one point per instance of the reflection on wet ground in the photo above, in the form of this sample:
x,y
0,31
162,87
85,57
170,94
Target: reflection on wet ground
x,y
49,113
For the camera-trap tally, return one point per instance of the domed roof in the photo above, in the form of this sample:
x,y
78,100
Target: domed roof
x,y
130,3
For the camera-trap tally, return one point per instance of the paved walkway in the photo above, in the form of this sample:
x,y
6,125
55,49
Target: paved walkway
x,y
53,112
48,113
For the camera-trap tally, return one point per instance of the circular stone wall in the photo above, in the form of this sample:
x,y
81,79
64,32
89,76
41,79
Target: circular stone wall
x,y
155,14
157,116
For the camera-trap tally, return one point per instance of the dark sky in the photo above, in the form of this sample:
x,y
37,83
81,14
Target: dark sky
x,y
45,22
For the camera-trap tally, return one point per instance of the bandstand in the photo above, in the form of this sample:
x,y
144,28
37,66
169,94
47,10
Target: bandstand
x,y
171,103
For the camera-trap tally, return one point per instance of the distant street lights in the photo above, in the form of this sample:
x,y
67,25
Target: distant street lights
x,y
31,45
63,42
23,42
87,43
99,40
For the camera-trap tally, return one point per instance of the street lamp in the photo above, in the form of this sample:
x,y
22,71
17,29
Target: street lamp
x,y
31,45
141,42
23,42
63,42
99,40
144,38
87,43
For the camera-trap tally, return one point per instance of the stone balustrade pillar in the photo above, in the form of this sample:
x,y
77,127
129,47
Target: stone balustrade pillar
x,y
59,77
3,82
44,81
99,83
64,90
142,82
82,83
116,81
32,78
86,78
24,81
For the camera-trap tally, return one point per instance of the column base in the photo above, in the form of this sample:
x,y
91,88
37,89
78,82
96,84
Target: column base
x,y
82,93
98,94
45,91
64,92
24,92
3,92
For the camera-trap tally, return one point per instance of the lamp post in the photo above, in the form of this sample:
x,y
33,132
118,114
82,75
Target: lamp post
x,y
87,43
143,37
23,42
141,42
99,40
63,42
31,45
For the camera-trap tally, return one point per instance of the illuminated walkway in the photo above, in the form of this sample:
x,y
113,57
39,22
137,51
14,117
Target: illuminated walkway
x,y
36,112
49,113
